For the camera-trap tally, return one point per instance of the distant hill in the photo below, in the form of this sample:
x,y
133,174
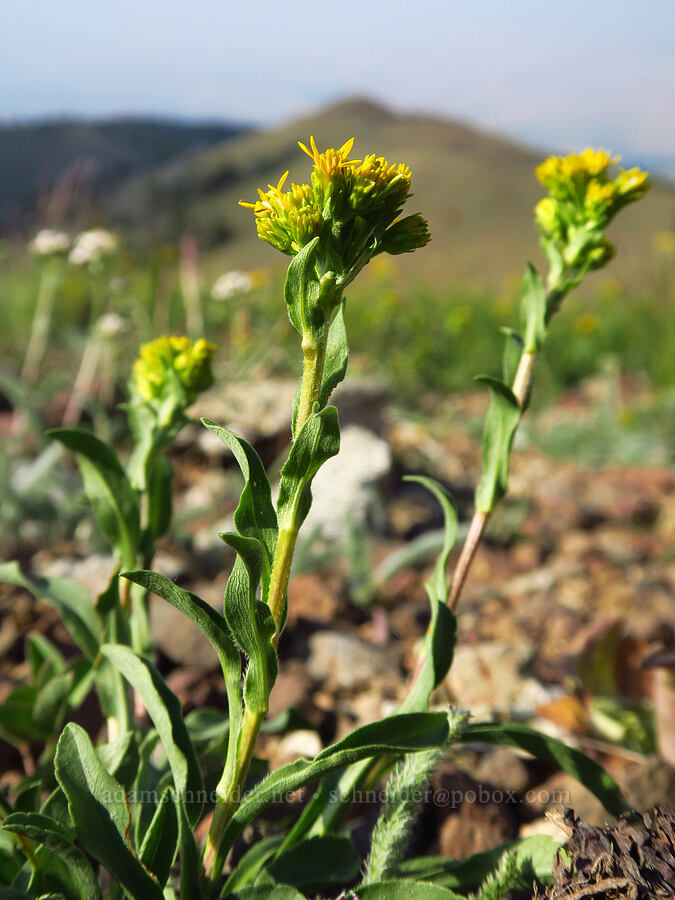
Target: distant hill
x,y
40,162
477,189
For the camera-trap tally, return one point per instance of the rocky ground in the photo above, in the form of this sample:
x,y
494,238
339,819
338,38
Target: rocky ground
x,y
567,622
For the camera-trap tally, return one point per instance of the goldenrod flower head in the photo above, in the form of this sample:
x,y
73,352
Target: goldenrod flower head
x,y
286,219
173,364
589,163
584,198
350,205
376,183
331,163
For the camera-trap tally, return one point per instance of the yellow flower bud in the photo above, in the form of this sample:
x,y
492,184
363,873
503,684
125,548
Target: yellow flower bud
x,y
169,365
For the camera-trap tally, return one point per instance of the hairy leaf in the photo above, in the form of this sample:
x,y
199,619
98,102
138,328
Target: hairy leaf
x,y
46,831
100,811
396,734
317,442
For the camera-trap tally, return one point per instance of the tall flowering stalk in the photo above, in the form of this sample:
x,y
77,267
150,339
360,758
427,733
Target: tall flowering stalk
x,y
583,197
331,228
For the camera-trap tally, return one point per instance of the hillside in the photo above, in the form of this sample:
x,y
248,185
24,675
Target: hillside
x,y
477,190
40,159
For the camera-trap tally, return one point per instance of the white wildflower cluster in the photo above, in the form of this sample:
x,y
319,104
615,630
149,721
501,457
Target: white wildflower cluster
x,y
112,325
50,242
230,284
92,246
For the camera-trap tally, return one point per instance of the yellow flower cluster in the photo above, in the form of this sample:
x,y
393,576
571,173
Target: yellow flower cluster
x,y
583,199
173,365
349,204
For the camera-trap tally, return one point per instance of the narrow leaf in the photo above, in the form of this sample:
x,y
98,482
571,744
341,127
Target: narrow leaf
x,y
113,500
51,834
404,890
301,288
396,734
533,310
72,602
254,516
337,356
160,843
317,442
317,863
165,711
100,811
574,762
501,422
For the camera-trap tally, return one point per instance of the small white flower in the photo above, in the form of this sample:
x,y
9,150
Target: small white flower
x,y
49,241
230,284
91,246
112,325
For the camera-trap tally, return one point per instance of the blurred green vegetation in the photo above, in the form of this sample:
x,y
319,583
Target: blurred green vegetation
x,y
420,338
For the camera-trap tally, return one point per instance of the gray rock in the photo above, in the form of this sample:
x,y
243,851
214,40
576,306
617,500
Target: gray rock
x,y
487,677
345,661
93,573
343,488
177,637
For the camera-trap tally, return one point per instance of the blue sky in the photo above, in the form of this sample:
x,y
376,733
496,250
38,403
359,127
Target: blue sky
x,y
554,74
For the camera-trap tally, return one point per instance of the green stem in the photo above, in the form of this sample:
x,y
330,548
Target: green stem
x,y
229,795
521,388
315,357
228,792
41,323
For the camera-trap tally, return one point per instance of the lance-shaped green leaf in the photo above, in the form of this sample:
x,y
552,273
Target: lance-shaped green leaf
x,y
165,711
405,889
574,762
533,310
159,498
160,844
49,833
113,500
214,627
395,734
16,715
501,422
439,643
252,862
250,621
535,853
120,757
190,860
72,602
52,701
264,892
44,658
115,628
317,863
301,291
317,442
337,356
254,516
99,808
